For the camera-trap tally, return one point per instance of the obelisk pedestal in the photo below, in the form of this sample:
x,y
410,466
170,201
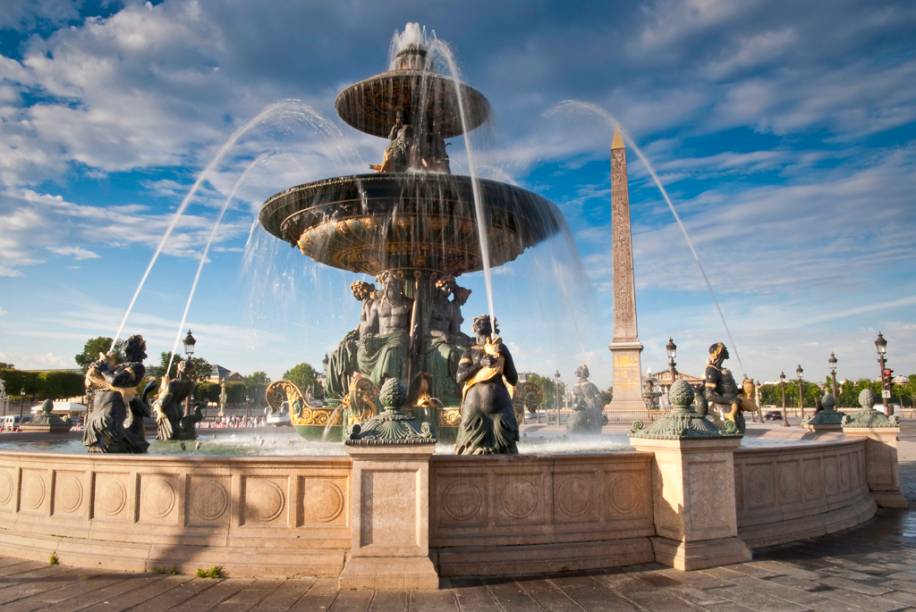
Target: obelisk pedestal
x,y
625,347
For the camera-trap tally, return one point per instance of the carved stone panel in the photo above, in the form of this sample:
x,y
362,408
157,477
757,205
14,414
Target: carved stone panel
x,y
705,481
70,493
35,491
628,495
159,498
323,501
8,479
758,486
812,478
519,499
264,500
388,520
576,497
111,496
788,481
208,501
462,500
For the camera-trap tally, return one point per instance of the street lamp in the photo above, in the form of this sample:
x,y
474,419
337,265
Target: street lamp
x,y
782,390
189,343
799,372
556,377
671,348
21,402
881,346
836,393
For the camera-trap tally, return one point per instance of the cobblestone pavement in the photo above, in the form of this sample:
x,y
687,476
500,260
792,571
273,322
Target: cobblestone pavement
x,y
871,568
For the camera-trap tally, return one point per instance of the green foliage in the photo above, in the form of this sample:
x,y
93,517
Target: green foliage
x,y
237,392
53,560
200,367
170,571
549,387
257,379
207,391
42,385
303,375
215,571
94,346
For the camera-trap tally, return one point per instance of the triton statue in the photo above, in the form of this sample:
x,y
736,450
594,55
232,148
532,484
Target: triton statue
x,y
343,361
115,424
721,391
168,408
488,423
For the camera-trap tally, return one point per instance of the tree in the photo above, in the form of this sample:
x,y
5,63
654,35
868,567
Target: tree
x,y
200,367
6,366
549,388
257,379
303,375
94,346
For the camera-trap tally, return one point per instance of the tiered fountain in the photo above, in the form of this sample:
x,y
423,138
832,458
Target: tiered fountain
x,y
413,225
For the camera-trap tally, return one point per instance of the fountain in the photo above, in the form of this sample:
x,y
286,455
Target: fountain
x,y
391,508
415,227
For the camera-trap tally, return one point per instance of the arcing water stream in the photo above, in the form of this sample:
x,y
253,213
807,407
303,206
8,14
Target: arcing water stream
x,y
286,109
579,105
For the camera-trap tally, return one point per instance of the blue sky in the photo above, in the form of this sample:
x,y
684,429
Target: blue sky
x,y
785,134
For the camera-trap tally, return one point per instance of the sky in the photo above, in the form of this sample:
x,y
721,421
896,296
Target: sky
x,y
785,134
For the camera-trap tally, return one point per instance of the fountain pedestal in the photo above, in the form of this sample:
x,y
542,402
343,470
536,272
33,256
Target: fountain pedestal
x,y
882,470
693,480
389,519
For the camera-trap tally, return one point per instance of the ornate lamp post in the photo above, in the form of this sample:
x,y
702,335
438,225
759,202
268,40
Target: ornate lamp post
x,y
21,402
671,349
799,372
881,346
836,392
189,342
782,391
556,378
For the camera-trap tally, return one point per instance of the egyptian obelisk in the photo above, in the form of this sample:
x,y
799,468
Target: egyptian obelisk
x,y
625,346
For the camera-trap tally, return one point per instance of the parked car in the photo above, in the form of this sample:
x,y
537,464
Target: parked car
x,y
772,415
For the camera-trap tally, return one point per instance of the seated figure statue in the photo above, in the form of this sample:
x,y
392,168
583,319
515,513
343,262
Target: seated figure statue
x,y
488,424
446,343
721,391
115,423
588,396
342,363
384,339
168,408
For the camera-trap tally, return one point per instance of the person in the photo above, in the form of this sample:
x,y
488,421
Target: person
x,y
488,424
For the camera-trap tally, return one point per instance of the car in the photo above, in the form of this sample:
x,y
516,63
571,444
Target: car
x,y
772,415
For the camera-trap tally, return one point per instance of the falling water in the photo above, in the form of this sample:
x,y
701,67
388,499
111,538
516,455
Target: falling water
x,y
286,109
437,46
614,123
203,256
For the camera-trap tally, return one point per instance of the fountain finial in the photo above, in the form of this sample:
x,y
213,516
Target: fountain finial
x,y
617,140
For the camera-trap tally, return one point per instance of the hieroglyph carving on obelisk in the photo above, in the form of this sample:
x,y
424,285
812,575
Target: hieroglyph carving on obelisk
x,y
625,346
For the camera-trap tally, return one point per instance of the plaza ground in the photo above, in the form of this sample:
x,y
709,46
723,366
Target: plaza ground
x,y
872,567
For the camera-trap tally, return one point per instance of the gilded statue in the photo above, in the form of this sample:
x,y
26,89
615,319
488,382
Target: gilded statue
x,y
722,391
486,371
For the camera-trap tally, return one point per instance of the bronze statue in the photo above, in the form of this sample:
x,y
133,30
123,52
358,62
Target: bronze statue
x,y
342,363
384,338
721,390
488,424
168,407
115,424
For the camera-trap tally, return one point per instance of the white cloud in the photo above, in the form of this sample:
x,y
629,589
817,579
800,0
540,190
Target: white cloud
x,y
77,253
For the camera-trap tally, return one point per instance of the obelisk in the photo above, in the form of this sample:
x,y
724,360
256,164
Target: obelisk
x,y
625,346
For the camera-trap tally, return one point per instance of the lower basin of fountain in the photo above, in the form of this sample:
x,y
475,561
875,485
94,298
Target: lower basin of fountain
x,y
565,504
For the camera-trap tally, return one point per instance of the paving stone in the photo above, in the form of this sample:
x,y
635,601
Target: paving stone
x,y
389,602
209,598
352,601
285,595
434,601
548,596
319,597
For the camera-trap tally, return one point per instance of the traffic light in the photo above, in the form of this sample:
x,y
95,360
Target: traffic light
x,y
887,374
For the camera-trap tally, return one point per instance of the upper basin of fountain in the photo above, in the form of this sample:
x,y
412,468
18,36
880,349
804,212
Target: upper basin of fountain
x,y
374,222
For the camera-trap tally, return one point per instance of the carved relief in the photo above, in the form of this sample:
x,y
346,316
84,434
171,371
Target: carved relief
x,y
575,494
209,500
157,497
520,498
758,485
622,243
34,489
110,495
830,475
462,501
624,494
811,475
264,500
323,500
68,492
788,482
7,487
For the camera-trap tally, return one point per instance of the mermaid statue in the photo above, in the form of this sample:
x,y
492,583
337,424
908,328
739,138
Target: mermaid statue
x,y
115,424
486,371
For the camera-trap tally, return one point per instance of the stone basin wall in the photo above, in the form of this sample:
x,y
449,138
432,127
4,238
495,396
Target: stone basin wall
x,y
254,516
504,516
793,492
